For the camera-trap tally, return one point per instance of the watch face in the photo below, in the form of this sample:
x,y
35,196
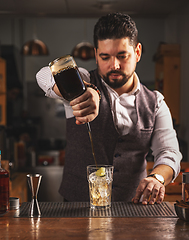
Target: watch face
x,y
159,177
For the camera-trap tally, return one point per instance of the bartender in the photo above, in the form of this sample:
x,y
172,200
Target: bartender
x,y
126,122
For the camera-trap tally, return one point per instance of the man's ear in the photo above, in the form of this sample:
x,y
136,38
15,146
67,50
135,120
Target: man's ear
x,y
138,51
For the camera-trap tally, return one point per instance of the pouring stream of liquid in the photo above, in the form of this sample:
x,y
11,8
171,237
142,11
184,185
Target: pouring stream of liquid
x,y
91,140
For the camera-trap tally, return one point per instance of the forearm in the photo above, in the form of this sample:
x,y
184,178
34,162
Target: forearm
x,y
85,107
47,83
165,147
56,90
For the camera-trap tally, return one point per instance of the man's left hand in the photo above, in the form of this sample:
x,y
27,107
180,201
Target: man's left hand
x,y
152,191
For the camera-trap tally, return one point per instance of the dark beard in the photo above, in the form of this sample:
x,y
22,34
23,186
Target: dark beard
x,y
117,83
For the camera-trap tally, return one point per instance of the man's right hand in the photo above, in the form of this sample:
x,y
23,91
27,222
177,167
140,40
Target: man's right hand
x,y
86,107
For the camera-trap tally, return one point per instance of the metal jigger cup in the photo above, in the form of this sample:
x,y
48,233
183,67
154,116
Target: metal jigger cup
x,y
34,181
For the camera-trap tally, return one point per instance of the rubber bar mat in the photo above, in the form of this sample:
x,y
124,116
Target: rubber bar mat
x,y
82,209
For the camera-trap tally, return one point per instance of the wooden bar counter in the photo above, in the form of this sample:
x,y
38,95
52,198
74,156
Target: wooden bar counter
x,y
92,228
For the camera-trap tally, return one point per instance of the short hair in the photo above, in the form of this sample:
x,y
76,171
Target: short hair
x,y
115,26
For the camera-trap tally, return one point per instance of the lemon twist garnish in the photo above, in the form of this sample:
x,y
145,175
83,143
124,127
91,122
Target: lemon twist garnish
x,y
101,172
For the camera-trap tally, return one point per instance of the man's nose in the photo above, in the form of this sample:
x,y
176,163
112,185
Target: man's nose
x,y
115,64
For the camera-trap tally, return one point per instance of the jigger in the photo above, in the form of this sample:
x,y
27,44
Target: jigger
x,y
34,183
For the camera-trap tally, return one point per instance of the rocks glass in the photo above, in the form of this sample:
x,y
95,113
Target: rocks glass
x,y
100,179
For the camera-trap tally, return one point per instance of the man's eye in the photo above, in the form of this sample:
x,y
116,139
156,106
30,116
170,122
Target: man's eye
x,y
105,58
122,57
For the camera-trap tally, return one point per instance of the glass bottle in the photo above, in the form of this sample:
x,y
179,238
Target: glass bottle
x,y
4,190
67,77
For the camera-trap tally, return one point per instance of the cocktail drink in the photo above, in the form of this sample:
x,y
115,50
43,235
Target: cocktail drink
x,y
100,185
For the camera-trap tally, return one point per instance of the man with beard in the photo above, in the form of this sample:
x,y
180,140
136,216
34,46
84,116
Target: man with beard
x,y
126,123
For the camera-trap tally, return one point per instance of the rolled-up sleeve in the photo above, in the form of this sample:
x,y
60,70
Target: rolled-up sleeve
x,y
46,82
165,147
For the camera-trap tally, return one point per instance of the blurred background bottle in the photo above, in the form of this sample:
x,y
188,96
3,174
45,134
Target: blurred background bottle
x,y
185,187
4,190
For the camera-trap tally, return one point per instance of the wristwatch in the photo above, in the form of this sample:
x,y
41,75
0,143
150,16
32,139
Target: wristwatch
x,y
157,177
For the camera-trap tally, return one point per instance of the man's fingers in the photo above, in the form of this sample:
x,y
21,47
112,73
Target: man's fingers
x,y
161,195
150,190
139,192
147,193
85,107
154,194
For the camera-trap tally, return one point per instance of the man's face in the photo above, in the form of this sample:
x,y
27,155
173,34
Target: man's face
x,y
116,60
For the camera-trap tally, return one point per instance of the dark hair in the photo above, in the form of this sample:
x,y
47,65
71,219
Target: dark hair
x,y
115,26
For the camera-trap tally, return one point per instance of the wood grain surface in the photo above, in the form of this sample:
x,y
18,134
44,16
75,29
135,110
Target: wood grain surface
x,y
92,228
